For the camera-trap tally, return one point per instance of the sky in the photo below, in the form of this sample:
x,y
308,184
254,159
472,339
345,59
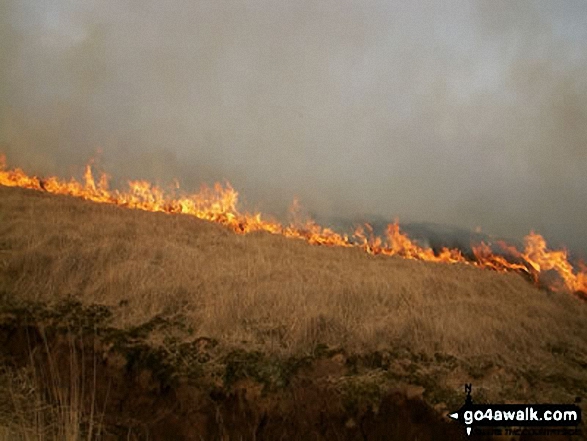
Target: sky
x,y
471,114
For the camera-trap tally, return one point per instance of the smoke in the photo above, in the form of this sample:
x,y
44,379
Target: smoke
x,y
469,114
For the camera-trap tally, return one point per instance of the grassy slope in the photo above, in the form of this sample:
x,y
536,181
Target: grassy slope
x,y
284,297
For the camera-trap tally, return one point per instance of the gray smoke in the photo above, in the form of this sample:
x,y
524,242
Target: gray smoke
x,y
472,114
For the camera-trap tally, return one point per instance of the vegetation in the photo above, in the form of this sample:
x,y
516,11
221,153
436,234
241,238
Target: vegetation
x,y
173,302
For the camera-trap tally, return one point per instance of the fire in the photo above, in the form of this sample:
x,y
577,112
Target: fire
x,y
220,204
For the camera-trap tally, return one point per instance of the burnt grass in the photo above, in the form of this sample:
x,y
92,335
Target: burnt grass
x,y
158,380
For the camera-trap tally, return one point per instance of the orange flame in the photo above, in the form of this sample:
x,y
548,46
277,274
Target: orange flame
x,y
219,204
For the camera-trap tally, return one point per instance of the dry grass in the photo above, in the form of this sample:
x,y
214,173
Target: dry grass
x,y
450,323
273,293
43,401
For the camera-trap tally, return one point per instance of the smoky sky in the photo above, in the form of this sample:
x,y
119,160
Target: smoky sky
x,y
472,113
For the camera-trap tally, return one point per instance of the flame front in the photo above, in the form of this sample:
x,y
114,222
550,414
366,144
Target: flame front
x,y
220,204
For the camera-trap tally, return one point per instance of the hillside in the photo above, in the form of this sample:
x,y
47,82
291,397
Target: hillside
x,y
360,323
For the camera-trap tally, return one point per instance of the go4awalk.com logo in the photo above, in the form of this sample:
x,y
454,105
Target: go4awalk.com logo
x,y
558,417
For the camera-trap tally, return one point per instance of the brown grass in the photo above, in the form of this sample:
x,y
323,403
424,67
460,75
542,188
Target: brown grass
x,y
284,297
451,323
273,293
42,401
